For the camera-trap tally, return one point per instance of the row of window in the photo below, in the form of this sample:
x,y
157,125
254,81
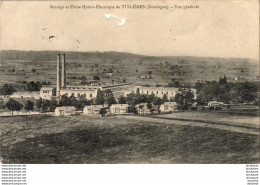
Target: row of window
x,y
46,91
78,95
77,88
157,92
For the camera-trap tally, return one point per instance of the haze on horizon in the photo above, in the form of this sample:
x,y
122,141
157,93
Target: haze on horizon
x,y
216,29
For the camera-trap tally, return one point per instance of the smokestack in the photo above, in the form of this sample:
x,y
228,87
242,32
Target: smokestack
x,y
63,72
58,76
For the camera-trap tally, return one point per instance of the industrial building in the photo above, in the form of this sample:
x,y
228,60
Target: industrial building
x,y
90,91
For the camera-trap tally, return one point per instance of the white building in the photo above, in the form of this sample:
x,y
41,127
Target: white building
x,y
118,108
47,93
92,109
157,91
215,104
65,111
77,91
160,91
168,107
26,94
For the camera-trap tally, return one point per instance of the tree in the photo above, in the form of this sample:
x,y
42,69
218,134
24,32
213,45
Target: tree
x,y
13,105
198,86
32,86
223,80
188,98
179,98
45,105
96,78
39,104
132,109
109,97
103,111
29,106
7,89
100,98
53,105
122,100
174,84
158,102
150,74
165,98
83,102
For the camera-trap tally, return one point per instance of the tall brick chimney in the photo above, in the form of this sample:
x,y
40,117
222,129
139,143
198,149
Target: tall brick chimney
x,y
63,72
58,76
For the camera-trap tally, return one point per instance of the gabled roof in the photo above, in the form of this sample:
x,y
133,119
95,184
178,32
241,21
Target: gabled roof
x,y
119,106
170,103
47,88
66,108
23,93
93,107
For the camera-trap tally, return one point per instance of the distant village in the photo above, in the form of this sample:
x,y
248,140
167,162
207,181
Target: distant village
x,y
117,98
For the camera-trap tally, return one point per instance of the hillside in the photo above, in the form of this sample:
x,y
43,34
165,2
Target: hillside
x,y
16,66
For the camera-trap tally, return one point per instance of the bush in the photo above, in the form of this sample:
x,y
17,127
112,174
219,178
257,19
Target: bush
x,y
211,108
217,108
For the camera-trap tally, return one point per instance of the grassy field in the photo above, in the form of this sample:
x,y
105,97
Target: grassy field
x,y
17,67
215,116
82,139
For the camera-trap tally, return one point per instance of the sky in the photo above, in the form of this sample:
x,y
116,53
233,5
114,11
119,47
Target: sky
x,y
215,29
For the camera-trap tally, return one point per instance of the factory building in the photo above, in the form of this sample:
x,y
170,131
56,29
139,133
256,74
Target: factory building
x,y
89,91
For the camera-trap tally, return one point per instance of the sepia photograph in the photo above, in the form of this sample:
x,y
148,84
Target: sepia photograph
x,y
125,82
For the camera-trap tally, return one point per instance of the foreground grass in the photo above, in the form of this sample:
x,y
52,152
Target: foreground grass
x,y
82,139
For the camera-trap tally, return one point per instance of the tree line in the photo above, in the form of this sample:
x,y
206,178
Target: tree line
x,y
227,92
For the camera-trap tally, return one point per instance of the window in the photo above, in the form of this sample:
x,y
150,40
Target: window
x,y
157,92
166,107
78,95
90,95
147,92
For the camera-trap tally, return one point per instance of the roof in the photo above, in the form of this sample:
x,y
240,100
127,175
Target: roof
x,y
157,88
213,102
66,108
26,93
119,106
170,103
47,88
94,106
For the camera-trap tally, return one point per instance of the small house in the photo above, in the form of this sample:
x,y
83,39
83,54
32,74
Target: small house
x,y
215,104
168,107
92,109
47,93
65,111
118,108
